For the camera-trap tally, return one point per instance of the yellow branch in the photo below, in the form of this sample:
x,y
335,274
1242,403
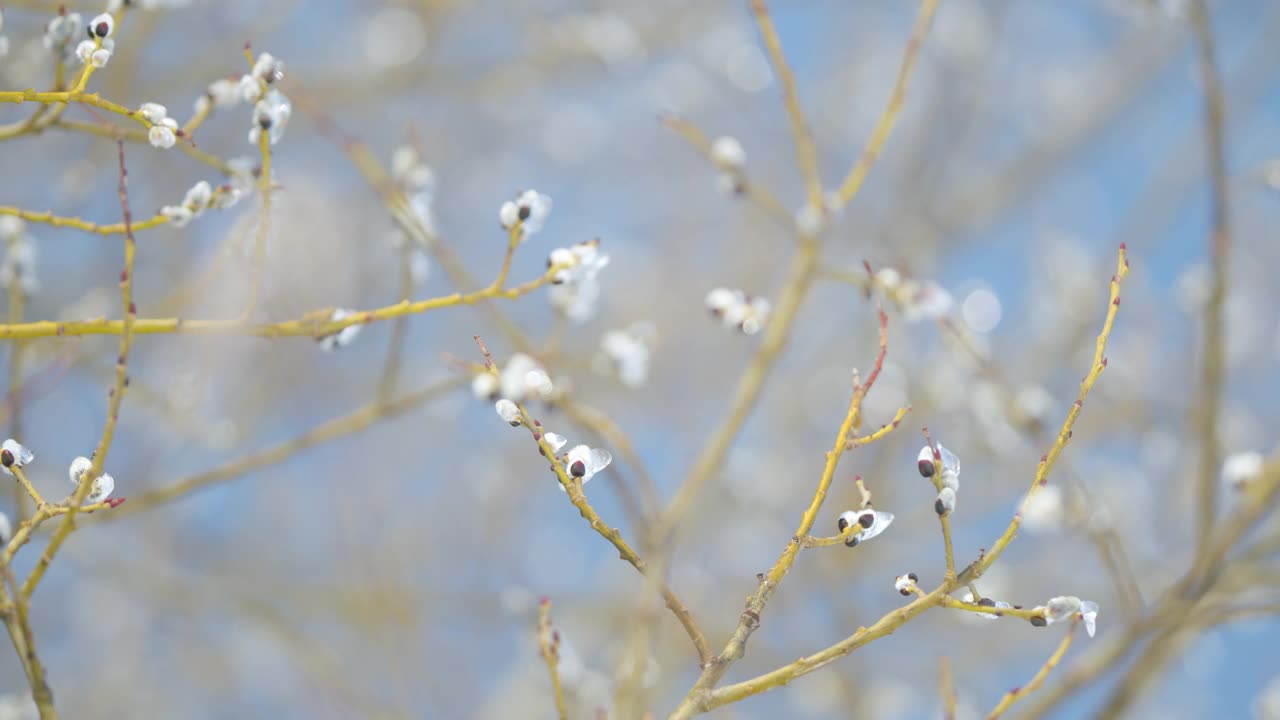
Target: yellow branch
x,y
975,570
1036,681
806,151
315,324
858,174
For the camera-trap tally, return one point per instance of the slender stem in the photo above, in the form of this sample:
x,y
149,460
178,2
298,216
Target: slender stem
x,y
806,150
549,646
26,485
875,144
1037,680
315,324
975,570
264,226
947,688
115,397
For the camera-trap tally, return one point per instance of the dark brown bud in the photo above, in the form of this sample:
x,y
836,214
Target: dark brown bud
x,y
938,507
842,523
867,520
6,458
925,467
1039,621
987,602
578,469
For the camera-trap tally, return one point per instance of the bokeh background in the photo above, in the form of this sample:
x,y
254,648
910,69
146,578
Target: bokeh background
x,y
395,573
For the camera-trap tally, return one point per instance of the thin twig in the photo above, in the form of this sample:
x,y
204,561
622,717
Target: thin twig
x,y
115,397
806,150
875,144
1037,680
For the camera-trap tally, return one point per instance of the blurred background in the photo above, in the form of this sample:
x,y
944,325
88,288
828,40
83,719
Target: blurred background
x,y
395,572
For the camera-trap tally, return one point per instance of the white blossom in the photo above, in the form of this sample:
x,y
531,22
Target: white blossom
x,y
870,523
555,441
250,88
153,112
905,583
1089,612
484,386
508,215
19,265
1240,468
810,220
575,285
986,602
343,337
529,210
177,215
950,468
222,93
1066,607
103,485
198,197
59,33
1043,511
161,135
628,352
888,279
946,502
268,69
584,462
523,378
410,171
14,454
271,114
727,154
926,302
1034,402
924,461
738,310
102,25
101,56
508,411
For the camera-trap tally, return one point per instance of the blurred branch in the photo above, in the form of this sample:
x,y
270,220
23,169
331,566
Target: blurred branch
x,y
549,645
759,195
339,427
1213,353
806,151
875,144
